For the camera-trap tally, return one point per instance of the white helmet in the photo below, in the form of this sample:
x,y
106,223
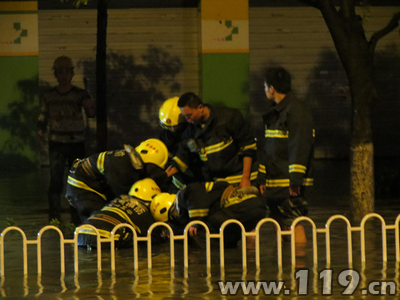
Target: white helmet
x,y
153,151
161,206
145,190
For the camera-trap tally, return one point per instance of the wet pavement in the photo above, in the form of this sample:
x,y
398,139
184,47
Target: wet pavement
x,y
24,204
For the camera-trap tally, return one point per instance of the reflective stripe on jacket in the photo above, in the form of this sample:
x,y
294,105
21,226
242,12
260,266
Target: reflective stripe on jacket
x,y
288,150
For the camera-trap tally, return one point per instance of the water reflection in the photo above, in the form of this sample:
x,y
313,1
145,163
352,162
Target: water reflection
x,y
158,283
197,280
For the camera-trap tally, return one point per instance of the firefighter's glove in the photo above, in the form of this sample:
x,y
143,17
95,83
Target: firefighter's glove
x,y
192,146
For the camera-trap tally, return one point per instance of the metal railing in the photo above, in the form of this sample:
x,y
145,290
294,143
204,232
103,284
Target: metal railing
x,y
220,236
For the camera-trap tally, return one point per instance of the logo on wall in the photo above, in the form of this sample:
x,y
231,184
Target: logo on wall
x,y
14,34
225,31
220,36
19,35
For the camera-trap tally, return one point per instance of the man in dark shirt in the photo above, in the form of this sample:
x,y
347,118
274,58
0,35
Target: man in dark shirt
x,y
61,113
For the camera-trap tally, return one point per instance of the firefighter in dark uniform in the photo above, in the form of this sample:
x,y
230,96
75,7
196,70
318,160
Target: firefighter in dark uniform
x,y
213,205
286,158
221,138
173,125
101,177
129,209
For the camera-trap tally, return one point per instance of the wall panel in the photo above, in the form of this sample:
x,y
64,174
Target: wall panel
x,y
134,89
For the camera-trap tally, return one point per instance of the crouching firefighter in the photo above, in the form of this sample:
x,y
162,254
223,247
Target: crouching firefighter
x,y
213,205
129,209
173,125
100,178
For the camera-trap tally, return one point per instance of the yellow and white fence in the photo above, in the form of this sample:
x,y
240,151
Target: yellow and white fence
x,y
316,232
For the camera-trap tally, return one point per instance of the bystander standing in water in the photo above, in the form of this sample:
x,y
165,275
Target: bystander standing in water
x,y
61,113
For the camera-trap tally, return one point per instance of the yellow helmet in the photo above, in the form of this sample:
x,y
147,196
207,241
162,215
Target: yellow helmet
x,y
170,114
161,206
63,62
145,190
153,151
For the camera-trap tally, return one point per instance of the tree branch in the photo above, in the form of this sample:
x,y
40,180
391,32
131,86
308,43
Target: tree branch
x,y
393,23
333,19
347,9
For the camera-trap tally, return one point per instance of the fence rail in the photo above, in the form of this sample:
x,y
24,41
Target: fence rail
x,y
172,238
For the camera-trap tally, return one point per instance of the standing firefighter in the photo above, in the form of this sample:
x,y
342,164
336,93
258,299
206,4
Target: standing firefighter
x,y
222,140
99,178
285,168
61,113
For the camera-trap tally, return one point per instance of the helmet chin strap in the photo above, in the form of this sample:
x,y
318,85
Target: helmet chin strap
x,y
135,157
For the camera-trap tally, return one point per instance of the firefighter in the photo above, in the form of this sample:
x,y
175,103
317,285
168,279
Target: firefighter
x,y
222,140
220,202
287,155
173,125
129,209
99,178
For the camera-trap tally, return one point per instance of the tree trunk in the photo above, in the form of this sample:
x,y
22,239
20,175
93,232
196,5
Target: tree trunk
x,y
101,77
362,181
362,88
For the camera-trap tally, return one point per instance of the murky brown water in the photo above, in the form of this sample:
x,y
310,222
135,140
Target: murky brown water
x,y
23,199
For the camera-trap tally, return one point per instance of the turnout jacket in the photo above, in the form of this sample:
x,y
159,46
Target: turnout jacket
x,y
288,151
108,174
221,143
122,210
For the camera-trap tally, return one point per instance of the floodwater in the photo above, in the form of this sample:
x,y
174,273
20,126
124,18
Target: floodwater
x,y
24,203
